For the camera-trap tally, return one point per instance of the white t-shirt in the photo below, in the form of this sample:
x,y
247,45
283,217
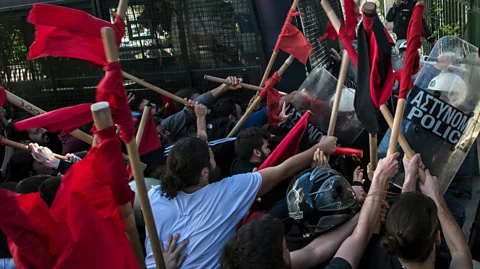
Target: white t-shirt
x,y
207,218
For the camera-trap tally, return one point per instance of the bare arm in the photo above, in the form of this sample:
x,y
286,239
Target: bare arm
x,y
411,173
233,84
323,247
457,244
354,246
273,175
201,113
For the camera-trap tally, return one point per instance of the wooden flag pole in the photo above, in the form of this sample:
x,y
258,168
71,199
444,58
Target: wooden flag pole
x,y
141,126
34,110
258,99
103,120
111,51
338,93
24,147
244,85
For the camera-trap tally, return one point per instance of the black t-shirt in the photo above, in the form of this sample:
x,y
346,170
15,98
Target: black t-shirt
x,y
339,263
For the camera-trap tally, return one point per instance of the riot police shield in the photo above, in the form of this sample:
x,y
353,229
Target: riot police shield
x,y
316,94
441,117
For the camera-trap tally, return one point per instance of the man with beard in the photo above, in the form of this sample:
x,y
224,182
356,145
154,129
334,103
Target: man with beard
x,y
251,148
205,213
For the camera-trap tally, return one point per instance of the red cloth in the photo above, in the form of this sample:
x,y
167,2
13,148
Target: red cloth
x,y
150,140
292,41
381,74
348,152
35,239
346,33
289,145
65,119
87,202
273,99
3,96
412,57
171,106
111,90
66,32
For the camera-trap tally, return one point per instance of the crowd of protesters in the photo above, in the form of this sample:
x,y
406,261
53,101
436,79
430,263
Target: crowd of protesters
x,y
213,209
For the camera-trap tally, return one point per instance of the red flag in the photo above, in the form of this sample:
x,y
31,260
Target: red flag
x,y
347,32
348,152
292,41
111,90
87,202
35,239
375,72
273,99
66,32
412,57
150,140
65,119
289,145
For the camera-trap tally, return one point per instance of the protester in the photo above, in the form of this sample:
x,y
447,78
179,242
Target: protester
x,y
414,223
207,214
251,149
351,251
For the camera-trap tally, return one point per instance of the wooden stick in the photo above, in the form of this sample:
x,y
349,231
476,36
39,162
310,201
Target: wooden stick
x,y
34,110
401,139
258,99
141,126
111,51
244,85
331,15
24,147
397,123
372,139
338,93
102,120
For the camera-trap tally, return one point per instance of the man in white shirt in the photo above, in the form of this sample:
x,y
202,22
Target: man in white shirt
x,y
207,214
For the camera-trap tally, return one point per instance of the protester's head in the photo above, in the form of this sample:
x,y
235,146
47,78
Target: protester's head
x,y
252,145
259,244
20,166
30,184
48,189
190,163
188,93
412,228
227,108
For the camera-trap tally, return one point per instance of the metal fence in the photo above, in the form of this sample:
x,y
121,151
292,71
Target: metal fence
x,y
170,43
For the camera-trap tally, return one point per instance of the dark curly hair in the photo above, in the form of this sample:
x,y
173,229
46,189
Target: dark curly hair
x,y
185,162
412,225
249,140
257,245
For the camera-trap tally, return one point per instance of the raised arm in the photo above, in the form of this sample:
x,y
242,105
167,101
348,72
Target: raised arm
x,y
201,113
209,97
273,175
354,246
411,173
323,247
457,244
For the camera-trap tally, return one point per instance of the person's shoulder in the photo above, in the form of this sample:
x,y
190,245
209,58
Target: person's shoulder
x,y
239,180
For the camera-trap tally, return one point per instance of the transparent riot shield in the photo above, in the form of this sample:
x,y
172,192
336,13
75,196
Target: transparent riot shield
x,y
441,117
317,94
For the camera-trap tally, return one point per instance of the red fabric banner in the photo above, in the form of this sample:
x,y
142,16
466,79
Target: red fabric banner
x,y
150,140
87,202
292,41
273,99
289,145
35,239
111,90
348,152
346,33
65,119
412,57
66,32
